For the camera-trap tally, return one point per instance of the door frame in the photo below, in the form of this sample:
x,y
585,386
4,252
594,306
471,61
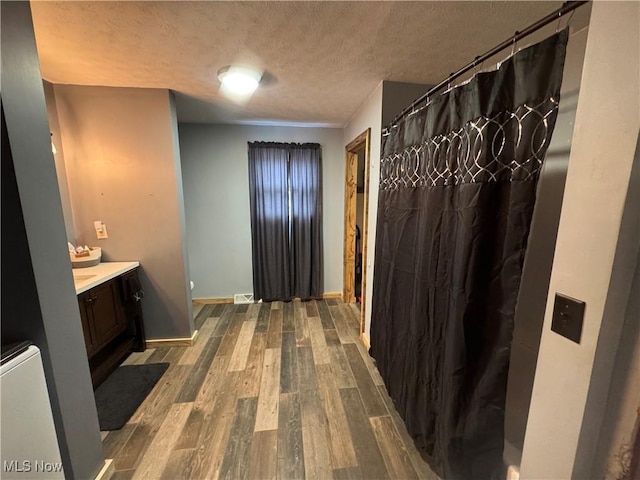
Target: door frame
x,y
362,141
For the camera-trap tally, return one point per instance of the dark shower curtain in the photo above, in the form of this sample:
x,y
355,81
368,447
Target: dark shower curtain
x,y
285,189
457,191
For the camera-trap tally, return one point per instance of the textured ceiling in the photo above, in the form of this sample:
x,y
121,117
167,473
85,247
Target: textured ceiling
x,y
325,58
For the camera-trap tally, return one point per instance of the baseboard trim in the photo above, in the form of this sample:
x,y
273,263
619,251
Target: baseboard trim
x,y
208,301
365,340
173,342
332,295
107,470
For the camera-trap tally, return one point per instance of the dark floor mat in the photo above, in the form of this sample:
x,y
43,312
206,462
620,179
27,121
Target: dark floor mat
x,y
121,394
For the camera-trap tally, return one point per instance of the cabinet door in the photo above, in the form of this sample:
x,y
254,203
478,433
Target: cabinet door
x,y
108,315
84,304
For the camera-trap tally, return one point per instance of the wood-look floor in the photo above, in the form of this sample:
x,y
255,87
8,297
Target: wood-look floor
x,y
272,390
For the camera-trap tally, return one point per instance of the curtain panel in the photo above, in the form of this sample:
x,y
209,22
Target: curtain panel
x,y
285,190
457,192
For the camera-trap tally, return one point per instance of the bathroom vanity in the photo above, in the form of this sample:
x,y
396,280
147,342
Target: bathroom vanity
x,y
109,297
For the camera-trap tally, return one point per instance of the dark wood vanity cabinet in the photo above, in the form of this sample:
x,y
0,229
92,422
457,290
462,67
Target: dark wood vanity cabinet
x,y
102,314
112,323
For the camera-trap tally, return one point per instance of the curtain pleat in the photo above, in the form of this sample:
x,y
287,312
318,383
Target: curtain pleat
x,y
457,192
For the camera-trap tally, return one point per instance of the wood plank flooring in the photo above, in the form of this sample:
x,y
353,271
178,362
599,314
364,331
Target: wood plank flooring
x,y
268,391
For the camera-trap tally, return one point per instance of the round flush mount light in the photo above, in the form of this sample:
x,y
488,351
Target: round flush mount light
x,y
239,80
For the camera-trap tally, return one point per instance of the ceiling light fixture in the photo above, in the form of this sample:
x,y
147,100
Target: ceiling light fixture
x,y
239,81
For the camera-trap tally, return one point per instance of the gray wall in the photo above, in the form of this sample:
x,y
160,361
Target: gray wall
x,y
396,96
216,191
38,296
61,171
123,168
540,251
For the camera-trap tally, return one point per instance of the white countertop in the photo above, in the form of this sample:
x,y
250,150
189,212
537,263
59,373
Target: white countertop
x,y
86,278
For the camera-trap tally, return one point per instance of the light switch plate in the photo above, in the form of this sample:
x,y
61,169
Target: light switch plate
x,y
102,232
568,317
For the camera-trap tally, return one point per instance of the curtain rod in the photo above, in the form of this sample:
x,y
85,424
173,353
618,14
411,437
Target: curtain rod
x,y
556,15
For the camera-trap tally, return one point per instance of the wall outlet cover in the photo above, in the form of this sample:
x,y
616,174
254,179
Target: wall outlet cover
x,y
568,317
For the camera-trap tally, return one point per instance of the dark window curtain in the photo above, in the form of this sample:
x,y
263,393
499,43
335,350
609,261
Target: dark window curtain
x,y
285,189
269,205
305,173
457,191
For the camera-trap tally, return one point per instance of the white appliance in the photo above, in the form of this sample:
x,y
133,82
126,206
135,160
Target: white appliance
x,y
29,447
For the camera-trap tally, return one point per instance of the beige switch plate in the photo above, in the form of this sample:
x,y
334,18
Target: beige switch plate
x,y
102,233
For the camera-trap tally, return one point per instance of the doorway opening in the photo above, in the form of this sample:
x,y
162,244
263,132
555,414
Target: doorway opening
x,y
356,196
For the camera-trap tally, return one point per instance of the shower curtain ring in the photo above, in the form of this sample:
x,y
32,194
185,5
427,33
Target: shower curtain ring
x,y
515,41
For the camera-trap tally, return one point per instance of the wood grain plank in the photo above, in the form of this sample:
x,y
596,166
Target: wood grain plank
x,y
318,341
262,325
290,447
113,442
237,455
317,455
238,360
219,410
276,305
371,397
122,475
150,416
156,456
250,382
274,335
325,315
351,473
174,355
264,455
231,337
312,309
200,313
190,434
288,324
331,336
420,466
392,447
158,355
178,465
368,453
163,393
288,364
218,309
225,320
242,308
267,417
345,333
193,382
315,429
340,367
307,376
301,325
341,445
331,301
369,362
207,422
138,358
192,353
